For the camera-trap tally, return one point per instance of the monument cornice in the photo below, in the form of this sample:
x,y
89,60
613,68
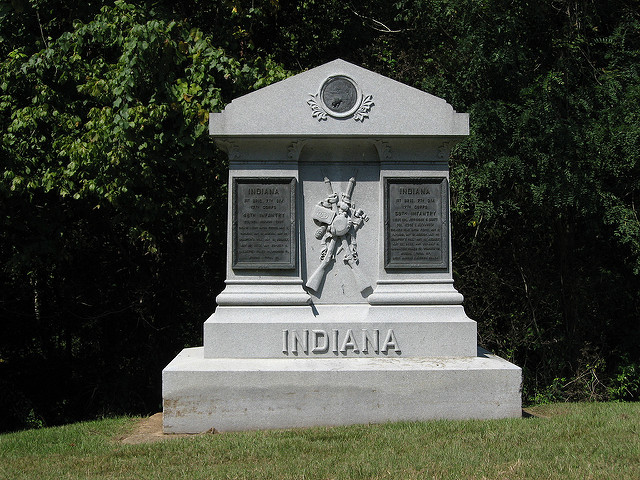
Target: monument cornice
x,y
364,104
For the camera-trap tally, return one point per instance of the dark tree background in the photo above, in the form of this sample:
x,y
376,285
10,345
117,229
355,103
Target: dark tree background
x,y
113,198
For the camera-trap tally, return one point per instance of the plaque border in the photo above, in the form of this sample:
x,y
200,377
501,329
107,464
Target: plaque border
x,y
288,265
444,202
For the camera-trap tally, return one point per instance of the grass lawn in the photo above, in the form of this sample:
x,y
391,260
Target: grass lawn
x,y
564,441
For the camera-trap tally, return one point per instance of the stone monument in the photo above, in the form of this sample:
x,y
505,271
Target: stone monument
x,y
339,306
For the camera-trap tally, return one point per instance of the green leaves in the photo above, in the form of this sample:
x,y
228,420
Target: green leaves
x,y
102,97
546,187
115,198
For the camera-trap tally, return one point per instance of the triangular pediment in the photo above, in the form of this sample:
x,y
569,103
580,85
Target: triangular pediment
x,y
339,99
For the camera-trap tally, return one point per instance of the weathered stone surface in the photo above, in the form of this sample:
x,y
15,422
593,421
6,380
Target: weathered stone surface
x,y
247,394
339,331
283,109
339,305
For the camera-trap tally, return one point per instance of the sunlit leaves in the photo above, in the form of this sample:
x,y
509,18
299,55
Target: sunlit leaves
x,y
102,98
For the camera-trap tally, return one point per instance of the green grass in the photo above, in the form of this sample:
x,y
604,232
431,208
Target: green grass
x,y
566,441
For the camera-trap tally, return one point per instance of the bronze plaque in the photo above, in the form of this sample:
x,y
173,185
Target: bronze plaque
x,y
339,94
416,227
264,223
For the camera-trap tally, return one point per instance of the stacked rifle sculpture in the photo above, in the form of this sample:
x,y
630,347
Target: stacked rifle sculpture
x,y
338,222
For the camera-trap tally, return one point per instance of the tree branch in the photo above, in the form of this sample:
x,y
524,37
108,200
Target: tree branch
x,y
376,24
46,45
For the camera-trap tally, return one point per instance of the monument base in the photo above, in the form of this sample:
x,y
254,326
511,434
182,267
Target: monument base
x,y
246,394
268,331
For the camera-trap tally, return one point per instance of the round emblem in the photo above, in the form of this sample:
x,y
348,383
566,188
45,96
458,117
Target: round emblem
x,y
340,96
340,225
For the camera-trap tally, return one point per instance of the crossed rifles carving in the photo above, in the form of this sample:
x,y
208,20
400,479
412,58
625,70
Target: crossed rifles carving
x,y
338,222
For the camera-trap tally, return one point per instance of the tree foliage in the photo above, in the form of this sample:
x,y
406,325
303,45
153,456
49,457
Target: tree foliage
x,y
113,198
114,201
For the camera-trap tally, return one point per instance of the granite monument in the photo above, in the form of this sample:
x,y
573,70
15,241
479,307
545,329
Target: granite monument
x,y
339,305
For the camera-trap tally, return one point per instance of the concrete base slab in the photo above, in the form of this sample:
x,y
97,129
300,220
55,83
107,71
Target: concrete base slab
x,y
246,394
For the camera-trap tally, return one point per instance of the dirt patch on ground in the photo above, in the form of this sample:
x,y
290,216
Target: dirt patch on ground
x,y
150,430
529,413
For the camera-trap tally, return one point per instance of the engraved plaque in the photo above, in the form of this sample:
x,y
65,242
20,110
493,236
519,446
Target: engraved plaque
x,y
416,227
264,223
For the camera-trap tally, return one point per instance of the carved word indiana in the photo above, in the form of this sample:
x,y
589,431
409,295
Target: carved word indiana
x,y
317,342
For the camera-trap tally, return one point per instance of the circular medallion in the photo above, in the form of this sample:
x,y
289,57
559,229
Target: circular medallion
x,y
340,96
340,225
